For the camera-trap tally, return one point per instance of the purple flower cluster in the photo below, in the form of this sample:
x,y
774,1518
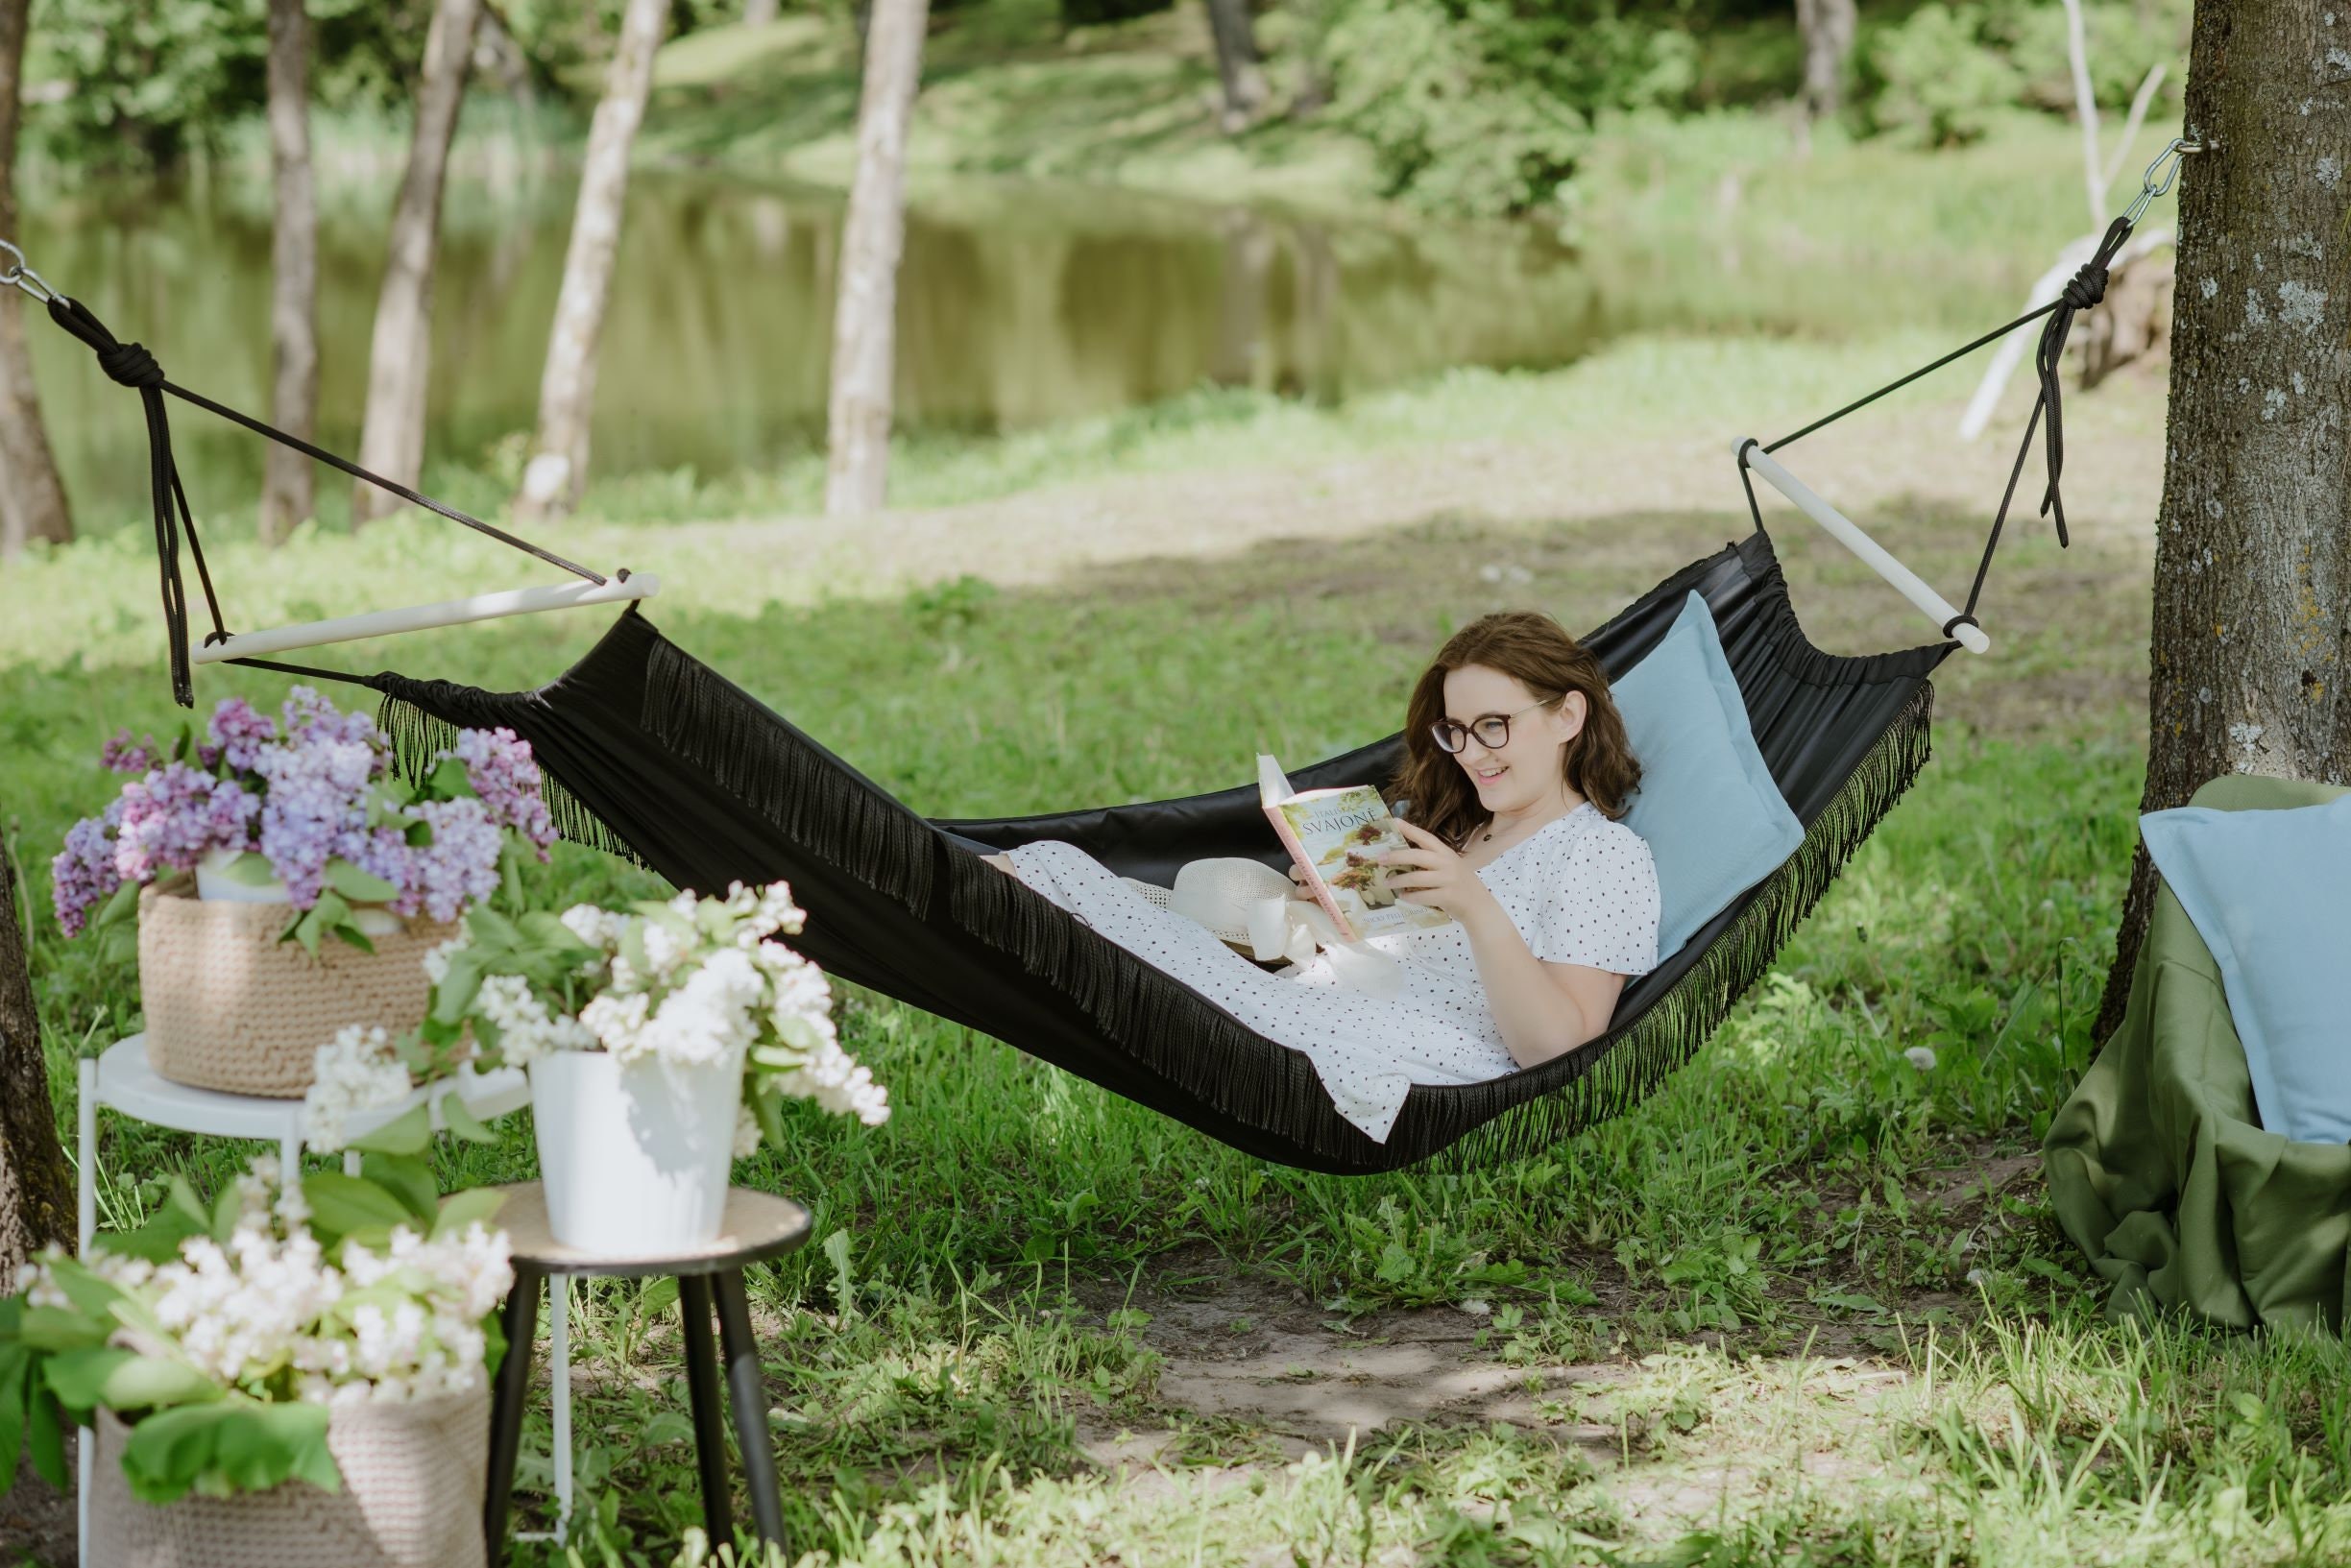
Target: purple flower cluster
x,y
459,866
83,875
175,816
499,764
317,770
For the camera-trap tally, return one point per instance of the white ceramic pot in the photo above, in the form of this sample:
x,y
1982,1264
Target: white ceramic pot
x,y
215,886
635,1159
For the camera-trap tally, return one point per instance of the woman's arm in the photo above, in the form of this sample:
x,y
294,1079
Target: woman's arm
x,y
1542,1009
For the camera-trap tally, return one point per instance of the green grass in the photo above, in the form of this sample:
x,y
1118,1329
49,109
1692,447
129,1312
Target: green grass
x,y
1785,1287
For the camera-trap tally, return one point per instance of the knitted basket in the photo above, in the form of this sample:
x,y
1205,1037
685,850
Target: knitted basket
x,y
413,1477
230,1008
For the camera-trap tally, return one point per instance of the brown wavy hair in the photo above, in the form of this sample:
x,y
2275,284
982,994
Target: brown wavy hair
x,y
1536,651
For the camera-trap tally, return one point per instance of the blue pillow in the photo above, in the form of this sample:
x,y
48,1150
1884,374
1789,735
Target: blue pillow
x,y
2271,894
1715,822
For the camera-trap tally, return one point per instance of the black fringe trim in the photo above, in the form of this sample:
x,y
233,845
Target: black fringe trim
x,y
419,738
812,799
1176,1034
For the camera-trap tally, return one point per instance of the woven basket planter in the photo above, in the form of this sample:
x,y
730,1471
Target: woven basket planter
x,y
413,1477
230,1008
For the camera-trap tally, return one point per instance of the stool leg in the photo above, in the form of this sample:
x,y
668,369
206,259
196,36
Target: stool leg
x,y
86,1226
559,1371
747,1391
709,1422
521,1322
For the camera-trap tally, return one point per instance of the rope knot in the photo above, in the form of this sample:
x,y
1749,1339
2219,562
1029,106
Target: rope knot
x,y
2086,288
131,364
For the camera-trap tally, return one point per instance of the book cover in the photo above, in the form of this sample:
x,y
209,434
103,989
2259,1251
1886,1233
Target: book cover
x,y
1337,837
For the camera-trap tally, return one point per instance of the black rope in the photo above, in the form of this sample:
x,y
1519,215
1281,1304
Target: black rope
x,y
131,364
2086,288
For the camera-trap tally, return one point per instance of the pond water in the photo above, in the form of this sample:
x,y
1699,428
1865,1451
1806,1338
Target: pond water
x,y
1018,304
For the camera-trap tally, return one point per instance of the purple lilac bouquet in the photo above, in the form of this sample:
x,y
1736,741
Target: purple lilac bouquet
x,y
308,801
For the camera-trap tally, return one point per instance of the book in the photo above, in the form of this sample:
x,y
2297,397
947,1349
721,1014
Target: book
x,y
1337,837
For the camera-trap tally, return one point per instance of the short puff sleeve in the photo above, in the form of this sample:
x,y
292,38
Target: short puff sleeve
x,y
1599,902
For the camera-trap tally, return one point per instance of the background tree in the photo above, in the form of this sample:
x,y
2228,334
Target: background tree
x,y
31,499
760,13
1828,28
2252,614
400,357
1239,65
866,306
558,469
37,1190
287,481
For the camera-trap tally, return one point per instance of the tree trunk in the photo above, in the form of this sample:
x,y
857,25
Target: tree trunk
x,y
760,13
865,309
2250,662
558,469
31,499
37,1188
400,359
1239,65
1827,27
287,485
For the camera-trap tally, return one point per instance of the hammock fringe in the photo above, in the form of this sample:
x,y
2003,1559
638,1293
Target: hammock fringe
x,y
811,797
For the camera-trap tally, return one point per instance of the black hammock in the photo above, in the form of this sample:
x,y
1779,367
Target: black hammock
x,y
652,754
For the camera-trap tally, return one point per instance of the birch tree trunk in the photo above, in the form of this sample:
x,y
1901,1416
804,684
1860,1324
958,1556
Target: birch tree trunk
x,y
1239,66
32,498
1828,28
37,1188
865,309
287,487
760,13
2250,667
558,468
400,358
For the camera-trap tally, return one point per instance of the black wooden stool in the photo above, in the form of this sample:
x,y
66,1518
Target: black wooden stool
x,y
757,1226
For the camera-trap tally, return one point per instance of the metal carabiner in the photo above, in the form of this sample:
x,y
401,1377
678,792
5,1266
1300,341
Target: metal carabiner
x,y
23,277
2169,161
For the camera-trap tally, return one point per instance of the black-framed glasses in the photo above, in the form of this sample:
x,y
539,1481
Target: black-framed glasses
x,y
1493,729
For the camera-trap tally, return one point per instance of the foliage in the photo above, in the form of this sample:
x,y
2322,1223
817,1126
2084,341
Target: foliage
x,y
1939,75
1935,79
222,1339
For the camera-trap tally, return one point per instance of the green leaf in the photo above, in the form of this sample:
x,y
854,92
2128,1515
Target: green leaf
x,y
55,1329
450,781
491,930
226,1208
156,1383
228,1447
121,907
79,1377
461,1120
342,1206
159,1239
357,886
17,1381
250,869
407,1133
45,1438
407,1177
459,985
355,937
461,1209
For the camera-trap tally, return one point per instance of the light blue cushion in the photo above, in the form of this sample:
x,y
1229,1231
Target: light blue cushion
x,y
2271,894
1715,823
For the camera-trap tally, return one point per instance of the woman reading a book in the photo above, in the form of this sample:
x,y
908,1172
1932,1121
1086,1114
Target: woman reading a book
x,y
1515,768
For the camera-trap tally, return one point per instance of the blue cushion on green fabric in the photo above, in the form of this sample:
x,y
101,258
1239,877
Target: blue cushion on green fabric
x,y
2271,894
1715,822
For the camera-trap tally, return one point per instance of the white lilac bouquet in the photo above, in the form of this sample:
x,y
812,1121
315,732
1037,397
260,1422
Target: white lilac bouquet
x,y
694,980
308,801
227,1338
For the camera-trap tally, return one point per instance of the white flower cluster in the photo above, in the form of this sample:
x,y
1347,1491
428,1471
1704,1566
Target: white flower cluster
x,y
526,1028
266,1312
357,1071
715,982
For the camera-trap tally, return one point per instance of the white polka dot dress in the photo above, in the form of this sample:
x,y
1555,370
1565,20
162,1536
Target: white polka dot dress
x,y
1579,890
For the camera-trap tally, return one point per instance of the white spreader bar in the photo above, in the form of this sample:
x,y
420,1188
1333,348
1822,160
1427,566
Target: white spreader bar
x,y
520,601
1848,534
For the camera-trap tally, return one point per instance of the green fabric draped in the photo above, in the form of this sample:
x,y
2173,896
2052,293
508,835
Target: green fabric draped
x,y
2158,1163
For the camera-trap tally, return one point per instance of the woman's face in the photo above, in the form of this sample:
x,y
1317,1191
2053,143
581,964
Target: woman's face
x,y
1526,769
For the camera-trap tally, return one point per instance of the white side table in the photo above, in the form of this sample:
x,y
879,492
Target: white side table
x,y
122,1078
